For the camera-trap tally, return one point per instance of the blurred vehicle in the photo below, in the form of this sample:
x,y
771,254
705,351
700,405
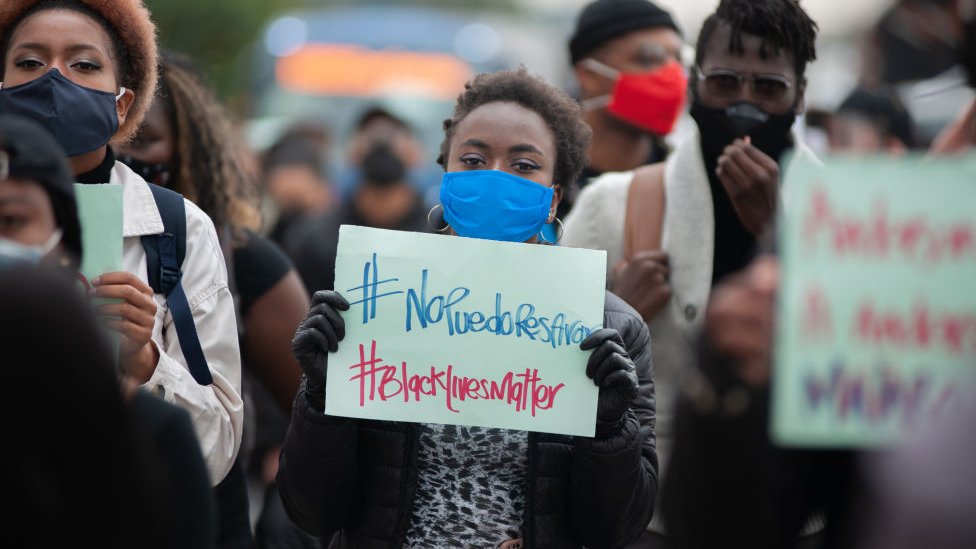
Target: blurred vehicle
x,y
331,65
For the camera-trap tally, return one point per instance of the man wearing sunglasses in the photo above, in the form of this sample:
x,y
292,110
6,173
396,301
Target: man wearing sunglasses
x,y
672,230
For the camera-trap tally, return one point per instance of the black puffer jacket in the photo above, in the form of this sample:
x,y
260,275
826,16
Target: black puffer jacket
x,y
359,477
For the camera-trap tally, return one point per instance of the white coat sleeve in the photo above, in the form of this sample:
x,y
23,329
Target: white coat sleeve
x,y
217,410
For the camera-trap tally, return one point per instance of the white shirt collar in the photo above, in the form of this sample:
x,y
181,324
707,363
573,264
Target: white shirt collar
x,y
139,213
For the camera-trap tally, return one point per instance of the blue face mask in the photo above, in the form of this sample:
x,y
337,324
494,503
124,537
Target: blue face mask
x,y
494,205
13,253
80,119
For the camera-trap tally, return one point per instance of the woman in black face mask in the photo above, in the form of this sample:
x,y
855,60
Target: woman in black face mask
x,y
86,70
187,143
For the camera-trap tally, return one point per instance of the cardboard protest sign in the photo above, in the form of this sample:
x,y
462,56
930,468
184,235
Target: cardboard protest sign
x,y
462,331
100,214
877,314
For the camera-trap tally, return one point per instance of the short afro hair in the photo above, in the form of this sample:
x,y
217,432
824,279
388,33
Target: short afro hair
x,y
781,24
561,113
133,35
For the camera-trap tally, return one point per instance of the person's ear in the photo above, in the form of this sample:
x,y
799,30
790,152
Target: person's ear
x,y
592,83
557,197
123,104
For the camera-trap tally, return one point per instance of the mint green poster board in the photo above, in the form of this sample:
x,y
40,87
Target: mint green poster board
x,y
453,330
876,321
100,214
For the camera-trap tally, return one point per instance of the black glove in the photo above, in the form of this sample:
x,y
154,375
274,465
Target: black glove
x,y
318,334
612,371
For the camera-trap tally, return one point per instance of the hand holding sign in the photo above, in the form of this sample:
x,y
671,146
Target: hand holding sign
x,y
130,311
611,369
317,335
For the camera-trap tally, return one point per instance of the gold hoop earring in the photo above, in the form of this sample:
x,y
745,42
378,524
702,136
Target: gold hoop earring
x,y
431,223
559,232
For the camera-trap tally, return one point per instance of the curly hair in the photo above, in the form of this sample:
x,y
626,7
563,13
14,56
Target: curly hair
x,y
133,36
560,112
212,166
781,24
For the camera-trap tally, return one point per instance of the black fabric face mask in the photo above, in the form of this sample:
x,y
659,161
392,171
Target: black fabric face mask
x,y
153,173
381,167
81,119
967,51
770,133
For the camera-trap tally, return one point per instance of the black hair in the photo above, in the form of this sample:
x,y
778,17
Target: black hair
x,y
781,24
66,216
884,108
121,56
560,112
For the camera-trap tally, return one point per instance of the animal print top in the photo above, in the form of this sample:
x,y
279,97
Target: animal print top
x,y
470,487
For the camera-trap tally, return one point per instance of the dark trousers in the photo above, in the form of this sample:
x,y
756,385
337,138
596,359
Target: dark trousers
x,y
233,511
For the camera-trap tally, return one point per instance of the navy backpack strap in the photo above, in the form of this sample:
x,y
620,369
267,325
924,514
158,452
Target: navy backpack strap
x,y
164,259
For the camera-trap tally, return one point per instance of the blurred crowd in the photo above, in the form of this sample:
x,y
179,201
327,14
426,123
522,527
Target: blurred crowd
x,y
124,441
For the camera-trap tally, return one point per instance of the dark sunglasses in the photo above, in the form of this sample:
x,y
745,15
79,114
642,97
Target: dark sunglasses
x,y
728,83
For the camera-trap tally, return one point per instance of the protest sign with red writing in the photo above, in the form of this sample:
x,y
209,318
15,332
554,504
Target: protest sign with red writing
x,y
462,331
876,323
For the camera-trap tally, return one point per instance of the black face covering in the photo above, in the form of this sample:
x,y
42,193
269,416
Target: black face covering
x,y
152,173
967,51
382,167
770,133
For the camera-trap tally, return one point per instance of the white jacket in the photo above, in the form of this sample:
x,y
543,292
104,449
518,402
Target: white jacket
x,y
217,410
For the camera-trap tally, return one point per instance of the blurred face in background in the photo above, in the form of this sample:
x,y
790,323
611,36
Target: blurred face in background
x,y
854,134
155,143
297,188
26,213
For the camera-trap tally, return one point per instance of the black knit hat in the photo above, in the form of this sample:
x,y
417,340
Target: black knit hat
x,y
29,152
604,20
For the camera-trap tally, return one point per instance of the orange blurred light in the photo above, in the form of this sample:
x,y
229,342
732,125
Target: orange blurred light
x,y
339,69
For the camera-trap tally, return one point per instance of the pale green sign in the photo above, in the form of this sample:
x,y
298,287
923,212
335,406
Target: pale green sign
x,y
100,214
876,324
453,330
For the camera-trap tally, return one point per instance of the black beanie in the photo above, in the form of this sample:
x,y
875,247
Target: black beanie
x,y
604,20
32,154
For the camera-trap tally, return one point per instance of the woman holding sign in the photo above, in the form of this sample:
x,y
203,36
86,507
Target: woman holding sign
x,y
511,146
86,70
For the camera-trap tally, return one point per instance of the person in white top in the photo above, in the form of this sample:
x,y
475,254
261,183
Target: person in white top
x,y
719,187
86,70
